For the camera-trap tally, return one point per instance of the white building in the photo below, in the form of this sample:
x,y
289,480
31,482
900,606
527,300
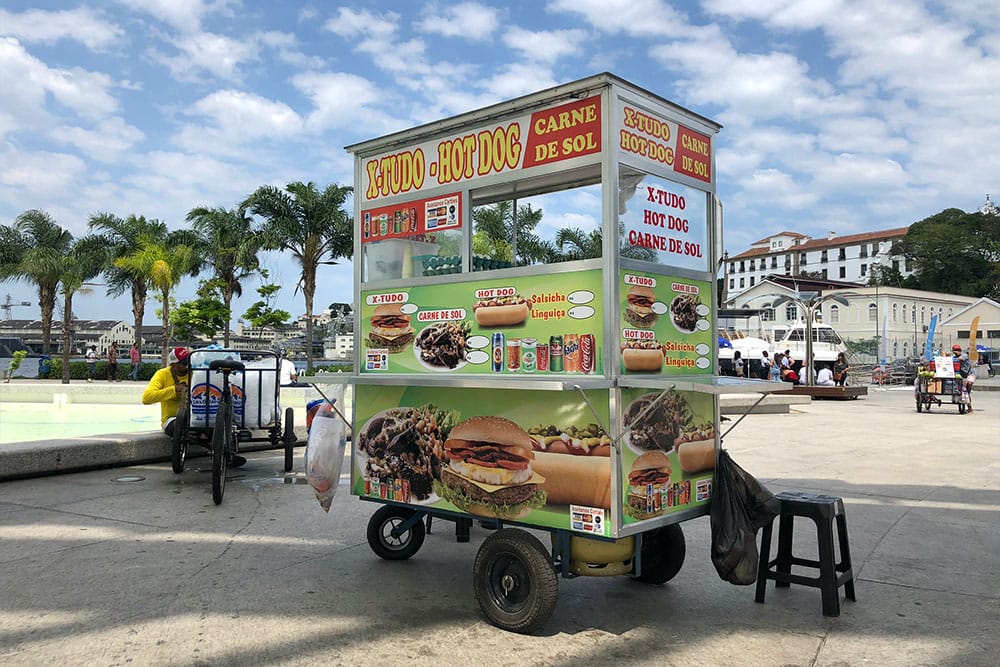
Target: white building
x,y
339,347
849,258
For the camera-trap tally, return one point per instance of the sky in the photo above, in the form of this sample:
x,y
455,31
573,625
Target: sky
x,y
838,115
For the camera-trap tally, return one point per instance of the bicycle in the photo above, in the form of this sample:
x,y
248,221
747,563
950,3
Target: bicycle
x,y
225,435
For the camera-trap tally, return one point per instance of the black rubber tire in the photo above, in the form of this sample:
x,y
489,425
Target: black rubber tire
x,y
288,437
384,544
221,436
920,405
927,406
961,408
662,556
178,445
515,583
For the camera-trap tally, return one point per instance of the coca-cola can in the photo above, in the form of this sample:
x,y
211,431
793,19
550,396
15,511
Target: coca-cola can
x,y
588,353
542,356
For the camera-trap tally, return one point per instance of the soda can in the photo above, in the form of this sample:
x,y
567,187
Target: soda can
x,y
529,350
413,220
542,357
513,355
397,222
556,354
406,490
588,353
398,489
498,350
571,353
368,486
649,498
368,225
383,224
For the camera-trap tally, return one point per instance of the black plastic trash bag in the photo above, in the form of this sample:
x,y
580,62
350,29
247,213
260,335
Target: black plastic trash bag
x,y
741,506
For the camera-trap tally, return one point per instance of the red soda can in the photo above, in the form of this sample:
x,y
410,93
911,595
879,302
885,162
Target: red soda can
x,y
542,357
588,353
571,353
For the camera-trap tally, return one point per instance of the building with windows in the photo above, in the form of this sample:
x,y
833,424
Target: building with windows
x,y
848,258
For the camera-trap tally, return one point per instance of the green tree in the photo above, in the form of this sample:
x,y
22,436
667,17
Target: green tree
x,y
955,252
262,313
204,315
33,252
574,243
124,237
230,246
164,262
309,223
85,260
495,233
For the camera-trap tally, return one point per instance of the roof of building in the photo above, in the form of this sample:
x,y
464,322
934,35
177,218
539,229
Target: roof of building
x,y
767,239
819,244
809,283
753,252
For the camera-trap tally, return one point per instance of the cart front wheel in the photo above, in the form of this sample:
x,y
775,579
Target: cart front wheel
x,y
515,584
920,405
288,437
178,449
221,436
380,537
662,555
961,408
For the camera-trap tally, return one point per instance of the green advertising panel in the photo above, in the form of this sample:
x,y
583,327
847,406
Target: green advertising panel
x,y
668,454
524,326
533,456
666,325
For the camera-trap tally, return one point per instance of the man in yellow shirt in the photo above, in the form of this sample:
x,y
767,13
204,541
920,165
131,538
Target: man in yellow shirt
x,y
168,386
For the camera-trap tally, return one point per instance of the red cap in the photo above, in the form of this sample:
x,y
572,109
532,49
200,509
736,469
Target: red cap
x,y
956,347
178,354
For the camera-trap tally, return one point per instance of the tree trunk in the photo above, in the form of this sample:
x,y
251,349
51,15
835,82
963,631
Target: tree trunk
x,y
166,327
138,311
309,291
47,304
227,298
67,336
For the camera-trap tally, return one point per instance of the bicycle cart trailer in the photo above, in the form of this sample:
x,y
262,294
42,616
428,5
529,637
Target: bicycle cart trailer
x,y
504,378
233,397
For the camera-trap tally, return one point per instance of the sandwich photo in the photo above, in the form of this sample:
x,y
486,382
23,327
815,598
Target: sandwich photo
x,y
502,311
639,308
642,355
488,471
575,462
654,422
647,481
695,447
390,328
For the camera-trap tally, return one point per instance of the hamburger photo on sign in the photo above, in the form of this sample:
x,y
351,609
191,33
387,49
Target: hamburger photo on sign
x,y
639,307
487,469
390,328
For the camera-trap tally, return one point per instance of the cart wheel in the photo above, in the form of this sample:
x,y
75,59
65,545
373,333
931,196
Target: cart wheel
x,y
288,437
920,405
662,556
961,408
927,405
220,454
515,584
380,538
178,449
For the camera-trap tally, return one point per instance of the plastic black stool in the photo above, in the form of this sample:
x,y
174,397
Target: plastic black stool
x,y
823,510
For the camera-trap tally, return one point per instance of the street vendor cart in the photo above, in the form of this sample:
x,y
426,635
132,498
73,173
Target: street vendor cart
x,y
939,383
567,387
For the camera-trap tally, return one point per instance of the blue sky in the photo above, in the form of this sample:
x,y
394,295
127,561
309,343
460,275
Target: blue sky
x,y
838,115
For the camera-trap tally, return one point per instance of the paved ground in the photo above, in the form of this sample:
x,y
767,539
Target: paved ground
x,y
105,572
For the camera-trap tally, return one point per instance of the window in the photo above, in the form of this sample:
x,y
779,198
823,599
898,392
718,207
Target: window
x,y
923,315
732,267
895,265
732,283
791,312
825,274
895,348
752,267
742,282
864,269
904,313
874,249
906,265
842,254
788,261
895,313
742,267
834,314
992,333
905,349
767,315
774,262
872,312
843,272
752,279
864,250
822,256
802,259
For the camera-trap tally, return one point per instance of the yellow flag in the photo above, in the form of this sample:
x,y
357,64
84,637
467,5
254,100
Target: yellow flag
x,y
973,352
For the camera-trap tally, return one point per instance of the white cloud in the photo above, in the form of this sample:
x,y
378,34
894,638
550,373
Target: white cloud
x,y
218,55
855,173
184,15
644,18
81,24
544,45
342,100
106,142
39,177
470,20
237,119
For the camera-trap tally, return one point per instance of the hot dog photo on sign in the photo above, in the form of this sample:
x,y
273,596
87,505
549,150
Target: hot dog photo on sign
x,y
501,311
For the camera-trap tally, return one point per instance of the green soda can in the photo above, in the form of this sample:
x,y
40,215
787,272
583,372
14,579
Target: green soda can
x,y
556,354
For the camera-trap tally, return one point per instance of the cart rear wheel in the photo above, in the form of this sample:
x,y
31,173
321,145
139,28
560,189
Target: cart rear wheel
x,y
515,584
662,555
927,405
380,538
221,435
961,408
920,405
288,437
178,448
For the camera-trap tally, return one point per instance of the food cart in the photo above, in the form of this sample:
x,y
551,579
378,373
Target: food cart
x,y
572,392
940,379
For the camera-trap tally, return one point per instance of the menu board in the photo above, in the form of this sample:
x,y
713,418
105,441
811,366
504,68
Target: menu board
x,y
530,326
666,325
668,455
664,222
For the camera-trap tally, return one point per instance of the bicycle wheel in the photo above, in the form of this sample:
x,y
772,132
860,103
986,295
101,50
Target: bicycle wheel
x,y
222,436
178,444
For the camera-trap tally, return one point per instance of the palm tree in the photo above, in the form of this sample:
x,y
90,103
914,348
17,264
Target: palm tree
x,y
494,226
34,249
163,262
85,260
230,250
309,223
122,237
581,245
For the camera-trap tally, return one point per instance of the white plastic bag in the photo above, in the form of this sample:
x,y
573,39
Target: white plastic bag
x,y
325,455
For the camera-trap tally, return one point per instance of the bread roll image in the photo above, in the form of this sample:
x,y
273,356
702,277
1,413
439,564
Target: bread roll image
x,y
696,456
501,316
642,360
575,480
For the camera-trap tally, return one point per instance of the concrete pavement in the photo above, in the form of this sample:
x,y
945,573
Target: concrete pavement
x,y
98,570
